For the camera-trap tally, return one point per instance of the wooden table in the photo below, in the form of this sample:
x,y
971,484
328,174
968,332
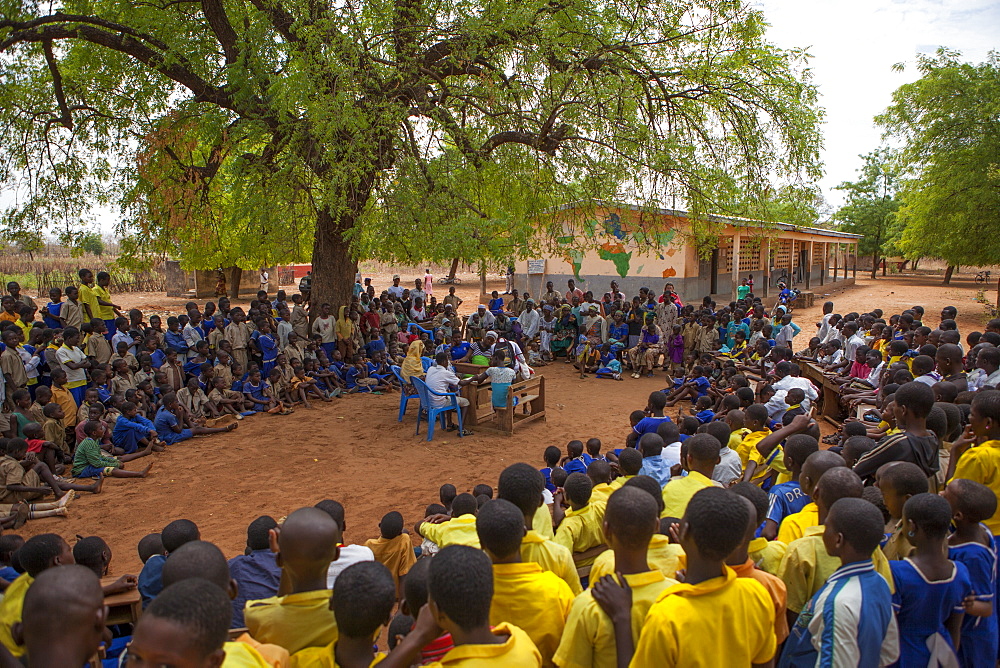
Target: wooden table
x,y
830,393
124,608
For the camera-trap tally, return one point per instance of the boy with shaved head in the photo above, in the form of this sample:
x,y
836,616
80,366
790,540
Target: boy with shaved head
x,y
63,617
300,615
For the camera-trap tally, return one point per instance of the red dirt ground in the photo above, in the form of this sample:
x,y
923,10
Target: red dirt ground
x,y
355,451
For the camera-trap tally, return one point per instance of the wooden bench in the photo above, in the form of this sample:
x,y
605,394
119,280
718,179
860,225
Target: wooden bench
x,y
530,406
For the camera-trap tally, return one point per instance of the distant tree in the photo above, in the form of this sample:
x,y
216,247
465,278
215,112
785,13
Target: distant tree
x,y
948,122
28,242
870,206
92,243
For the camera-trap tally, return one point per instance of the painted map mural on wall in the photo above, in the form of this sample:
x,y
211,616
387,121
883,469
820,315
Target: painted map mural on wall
x,y
614,250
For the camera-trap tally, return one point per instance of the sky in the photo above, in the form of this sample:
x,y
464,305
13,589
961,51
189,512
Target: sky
x,y
855,43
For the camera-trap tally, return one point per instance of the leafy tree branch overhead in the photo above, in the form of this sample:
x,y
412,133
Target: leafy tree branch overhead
x,y
249,133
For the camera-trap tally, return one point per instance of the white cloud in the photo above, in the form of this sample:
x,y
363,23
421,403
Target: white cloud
x,y
855,43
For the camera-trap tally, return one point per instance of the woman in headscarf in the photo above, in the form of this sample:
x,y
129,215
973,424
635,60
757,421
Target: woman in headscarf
x,y
564,334
411,365
645,355
345,330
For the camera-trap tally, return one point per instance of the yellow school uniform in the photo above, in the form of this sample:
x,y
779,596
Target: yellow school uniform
x,y
551,556
981,463
245,652
517,650
541,523
322,657
294,622
767,554
620,481
691,625
601,492
11,608
459,530
589,637
661,555
103,312
749,443
88,297
794,526
532,599
581,530
807,566
678,491
735,439
775,461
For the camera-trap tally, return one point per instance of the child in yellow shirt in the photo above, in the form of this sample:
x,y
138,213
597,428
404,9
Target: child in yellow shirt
x,y
630,523
460,585
691,623
523,485
523,594
579,528
816,464
306,545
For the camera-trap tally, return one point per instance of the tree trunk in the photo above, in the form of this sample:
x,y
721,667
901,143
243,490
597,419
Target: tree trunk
x,y
875,265
453,270
234,276
333,269
947,274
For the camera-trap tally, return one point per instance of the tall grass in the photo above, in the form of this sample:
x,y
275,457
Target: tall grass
x,y
38,275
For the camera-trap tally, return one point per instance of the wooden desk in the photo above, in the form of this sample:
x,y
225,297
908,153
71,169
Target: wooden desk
x,y
830,393
123,608
481,413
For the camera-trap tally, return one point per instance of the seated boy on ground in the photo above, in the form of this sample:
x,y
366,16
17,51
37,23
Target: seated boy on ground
x,y
90,462
393,548
22,475
458,529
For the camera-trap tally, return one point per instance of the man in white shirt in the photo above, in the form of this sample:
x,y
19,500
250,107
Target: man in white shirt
x,y
418,292
786,381
529,320
442,380
349,554
396,290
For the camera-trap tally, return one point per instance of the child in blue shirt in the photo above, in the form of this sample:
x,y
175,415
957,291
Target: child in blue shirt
x,y
971,544
575,459
703,410
551,457
691,389
788,498
849,621
50,313
930,588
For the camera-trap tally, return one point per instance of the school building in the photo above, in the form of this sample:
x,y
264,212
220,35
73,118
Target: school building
x,y
595,243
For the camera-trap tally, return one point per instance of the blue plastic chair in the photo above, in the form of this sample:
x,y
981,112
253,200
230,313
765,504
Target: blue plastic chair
x,y
404,398
426,363
434,412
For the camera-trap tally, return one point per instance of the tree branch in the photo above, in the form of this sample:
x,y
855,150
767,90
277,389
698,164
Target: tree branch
x,y
169,65
215,13
66,119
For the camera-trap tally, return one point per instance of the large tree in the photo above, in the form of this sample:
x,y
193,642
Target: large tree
x,y
948,122
870,206
397,126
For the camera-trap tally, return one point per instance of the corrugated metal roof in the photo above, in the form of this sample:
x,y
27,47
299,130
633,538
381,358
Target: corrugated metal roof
x,y
736,221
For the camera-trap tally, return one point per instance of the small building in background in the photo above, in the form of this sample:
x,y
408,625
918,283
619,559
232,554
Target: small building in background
x,y
595,243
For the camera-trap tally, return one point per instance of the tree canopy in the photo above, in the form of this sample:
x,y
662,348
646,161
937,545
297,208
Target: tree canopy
x,y
948,123
870,206
397,129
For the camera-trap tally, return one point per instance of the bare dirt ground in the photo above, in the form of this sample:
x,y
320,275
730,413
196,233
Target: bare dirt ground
x,y
355,451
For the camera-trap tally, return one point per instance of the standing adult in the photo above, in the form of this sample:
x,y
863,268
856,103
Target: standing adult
x,y
396,290
265,279
14,290
551,296
305,287
573,290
